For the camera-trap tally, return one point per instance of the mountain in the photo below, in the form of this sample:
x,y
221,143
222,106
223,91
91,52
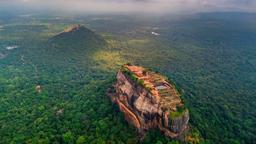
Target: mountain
x,y
76,44
77,37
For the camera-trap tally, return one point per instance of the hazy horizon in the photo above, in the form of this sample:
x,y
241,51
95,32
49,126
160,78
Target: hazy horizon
x,y
58,81
133,6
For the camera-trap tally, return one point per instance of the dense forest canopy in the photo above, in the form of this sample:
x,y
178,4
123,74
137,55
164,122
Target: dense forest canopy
x,y
210,56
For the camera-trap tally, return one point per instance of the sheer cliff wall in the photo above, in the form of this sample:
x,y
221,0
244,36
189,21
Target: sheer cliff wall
x,y
146,109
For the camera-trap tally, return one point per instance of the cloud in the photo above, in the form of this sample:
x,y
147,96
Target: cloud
x,y
152,6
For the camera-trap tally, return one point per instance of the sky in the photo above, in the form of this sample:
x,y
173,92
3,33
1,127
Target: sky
x,y
150,6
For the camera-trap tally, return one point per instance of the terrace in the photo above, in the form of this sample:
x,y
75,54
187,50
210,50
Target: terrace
x,y
158,86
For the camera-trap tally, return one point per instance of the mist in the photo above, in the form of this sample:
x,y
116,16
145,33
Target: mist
x,y
143,6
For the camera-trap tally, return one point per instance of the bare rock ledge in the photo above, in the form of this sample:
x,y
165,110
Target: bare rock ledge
x,y
149,101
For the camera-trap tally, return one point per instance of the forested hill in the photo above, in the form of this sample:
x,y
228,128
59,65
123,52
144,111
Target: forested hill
x,y
210,57
77,35
72,106
73,46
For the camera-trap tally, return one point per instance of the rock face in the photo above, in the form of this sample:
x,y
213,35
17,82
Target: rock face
x,y
149,101
39,88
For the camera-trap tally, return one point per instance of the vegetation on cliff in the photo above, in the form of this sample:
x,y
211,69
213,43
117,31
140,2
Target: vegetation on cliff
x,y
134,77
180,111
152,109
211,56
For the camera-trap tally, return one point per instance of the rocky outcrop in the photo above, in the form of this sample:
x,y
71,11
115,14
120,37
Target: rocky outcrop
x,y
148,101
73,28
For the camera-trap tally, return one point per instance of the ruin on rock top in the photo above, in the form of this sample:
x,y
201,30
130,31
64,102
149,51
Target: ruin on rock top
x,y
148,100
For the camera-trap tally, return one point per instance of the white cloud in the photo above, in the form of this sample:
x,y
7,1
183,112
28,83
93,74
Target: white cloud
x,y
154,6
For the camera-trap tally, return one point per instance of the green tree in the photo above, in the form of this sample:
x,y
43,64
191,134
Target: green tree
x,y
159,142
80,140
68,137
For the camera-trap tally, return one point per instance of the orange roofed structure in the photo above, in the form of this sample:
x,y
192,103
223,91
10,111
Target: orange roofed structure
x,y
148,101
158,85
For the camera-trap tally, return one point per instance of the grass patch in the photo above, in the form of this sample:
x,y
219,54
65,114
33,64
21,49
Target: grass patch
x,y
180,111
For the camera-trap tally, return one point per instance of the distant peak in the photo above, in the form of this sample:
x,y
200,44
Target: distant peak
x,y
74,28
79,35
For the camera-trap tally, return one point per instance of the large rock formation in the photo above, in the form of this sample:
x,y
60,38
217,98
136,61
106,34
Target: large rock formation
x,y
148,101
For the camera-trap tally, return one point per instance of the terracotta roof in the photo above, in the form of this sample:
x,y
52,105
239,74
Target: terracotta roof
x,y
167,94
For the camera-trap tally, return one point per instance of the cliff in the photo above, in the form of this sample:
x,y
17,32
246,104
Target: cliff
x,y
149,101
